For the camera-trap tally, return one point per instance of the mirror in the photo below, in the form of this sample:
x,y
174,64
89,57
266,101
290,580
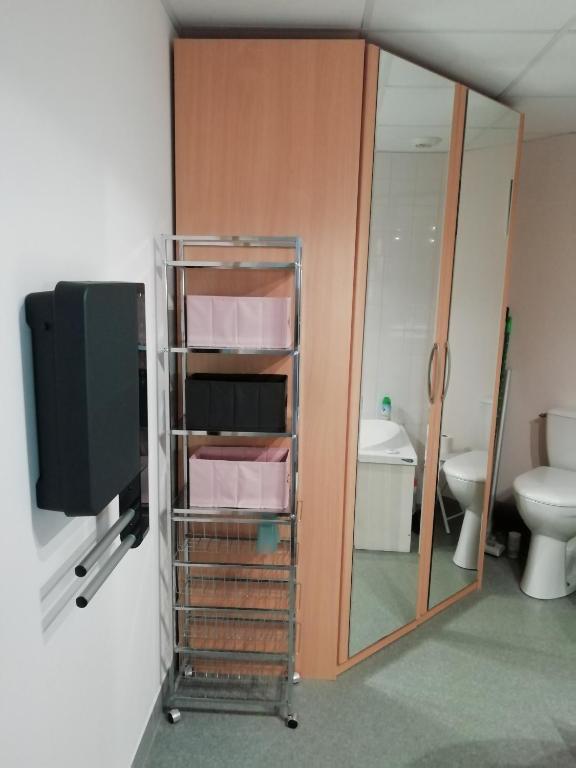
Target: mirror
x,y
413,125
473,340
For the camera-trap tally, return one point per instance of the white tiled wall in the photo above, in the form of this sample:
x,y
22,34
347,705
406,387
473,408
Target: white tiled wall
x,y
403,266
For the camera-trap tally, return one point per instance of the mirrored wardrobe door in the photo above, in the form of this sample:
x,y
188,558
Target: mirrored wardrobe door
x,y
413,127
473,345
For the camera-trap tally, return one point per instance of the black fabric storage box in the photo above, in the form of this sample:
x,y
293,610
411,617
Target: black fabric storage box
x,y
236,402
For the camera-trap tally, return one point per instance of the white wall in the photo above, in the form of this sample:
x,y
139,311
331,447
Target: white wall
x,y
85,183
402,284
542,301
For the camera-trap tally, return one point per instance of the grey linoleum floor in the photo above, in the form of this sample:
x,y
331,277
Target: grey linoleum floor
x,y
385,584
491,683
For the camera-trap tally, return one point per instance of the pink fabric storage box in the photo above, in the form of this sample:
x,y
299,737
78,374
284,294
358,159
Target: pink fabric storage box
x,y
238,476
238,321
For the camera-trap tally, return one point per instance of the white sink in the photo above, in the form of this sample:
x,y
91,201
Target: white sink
x,y
384,442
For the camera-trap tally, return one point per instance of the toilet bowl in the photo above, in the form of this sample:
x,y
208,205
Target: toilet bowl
x,y
466,476
546,500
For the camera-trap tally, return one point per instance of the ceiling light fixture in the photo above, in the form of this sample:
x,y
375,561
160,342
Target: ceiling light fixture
x,y
426,142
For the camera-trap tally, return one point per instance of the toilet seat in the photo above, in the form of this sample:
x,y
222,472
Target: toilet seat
x,y
546,500
469,467
548,485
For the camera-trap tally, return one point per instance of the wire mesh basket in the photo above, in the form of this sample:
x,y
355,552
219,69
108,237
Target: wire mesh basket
x,y
238,631
229,588
231,681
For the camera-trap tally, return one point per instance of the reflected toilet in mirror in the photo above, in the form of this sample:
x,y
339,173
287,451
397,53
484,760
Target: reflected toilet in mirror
x,y
412,141
475,329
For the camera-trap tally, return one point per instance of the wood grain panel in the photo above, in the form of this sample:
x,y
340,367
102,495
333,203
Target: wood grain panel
x,y
267,142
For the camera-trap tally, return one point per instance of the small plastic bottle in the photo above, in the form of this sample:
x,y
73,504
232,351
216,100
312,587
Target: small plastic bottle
x,y
386,408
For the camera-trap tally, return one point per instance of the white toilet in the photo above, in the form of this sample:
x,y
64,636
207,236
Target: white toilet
x,y
466,476
546,499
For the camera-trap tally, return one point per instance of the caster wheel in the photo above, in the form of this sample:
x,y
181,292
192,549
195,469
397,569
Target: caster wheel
x,y
291,721
173,716
188,671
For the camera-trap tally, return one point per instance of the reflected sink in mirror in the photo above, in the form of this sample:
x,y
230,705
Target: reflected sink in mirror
x,y
384,442
385,560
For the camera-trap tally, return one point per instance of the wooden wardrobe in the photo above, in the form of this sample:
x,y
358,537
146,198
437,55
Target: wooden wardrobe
x,y
276,137
267,142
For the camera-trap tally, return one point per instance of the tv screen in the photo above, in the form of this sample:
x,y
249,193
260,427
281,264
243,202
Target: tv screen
x,y
87,384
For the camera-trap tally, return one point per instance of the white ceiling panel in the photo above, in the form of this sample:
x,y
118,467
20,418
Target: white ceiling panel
x,y
491,15
328,14
534,135
547,115
415,106
509,119
399,73
554,74
518,48
488,62
393,138
491,137
482,112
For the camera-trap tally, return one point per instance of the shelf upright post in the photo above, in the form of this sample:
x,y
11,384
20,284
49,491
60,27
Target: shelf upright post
x,y
166,243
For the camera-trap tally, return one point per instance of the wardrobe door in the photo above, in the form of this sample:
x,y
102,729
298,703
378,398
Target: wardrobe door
x,y
473,348
395,372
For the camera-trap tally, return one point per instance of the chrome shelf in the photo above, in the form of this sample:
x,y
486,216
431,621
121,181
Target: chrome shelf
x,y
182,432
246,516
180,508
184,608
202,653
233,606
271,351
232,617
235,241
234,565
254,265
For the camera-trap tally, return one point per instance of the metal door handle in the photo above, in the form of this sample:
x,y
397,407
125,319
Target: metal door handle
x,y
433,354
447,370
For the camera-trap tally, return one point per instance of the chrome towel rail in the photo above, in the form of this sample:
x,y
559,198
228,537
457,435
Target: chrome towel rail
x,y
132,526
91,589
92,557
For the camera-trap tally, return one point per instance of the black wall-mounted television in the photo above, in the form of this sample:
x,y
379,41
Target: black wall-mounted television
x,y
87,382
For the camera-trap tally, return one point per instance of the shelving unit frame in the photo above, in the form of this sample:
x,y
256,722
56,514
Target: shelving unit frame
x,y
215,689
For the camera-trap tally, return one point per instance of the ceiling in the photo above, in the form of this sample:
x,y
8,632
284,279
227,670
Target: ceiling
x,y
414,112
520,51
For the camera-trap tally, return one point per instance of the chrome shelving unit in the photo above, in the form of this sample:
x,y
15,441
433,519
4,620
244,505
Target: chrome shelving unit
x,y
234,608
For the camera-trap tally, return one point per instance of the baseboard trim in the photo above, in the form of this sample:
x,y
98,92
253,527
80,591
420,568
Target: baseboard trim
x,y
141,756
